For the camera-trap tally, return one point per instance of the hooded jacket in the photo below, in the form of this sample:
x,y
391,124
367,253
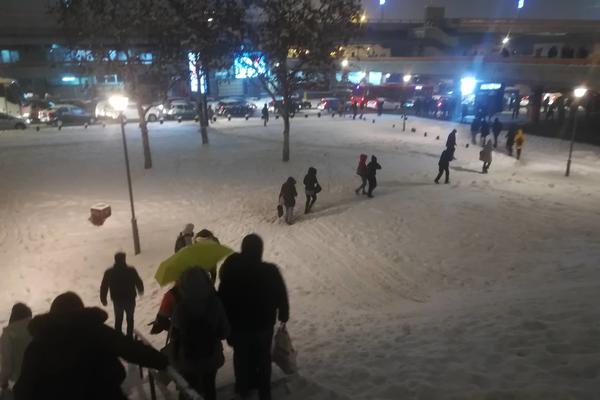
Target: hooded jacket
x,y
486,153
74,356
122,281
14,341
361,170
520,139
310,180
288,192
253,293
372,168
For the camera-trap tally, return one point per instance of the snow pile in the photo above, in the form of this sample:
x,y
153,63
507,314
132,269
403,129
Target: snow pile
x,y
484,288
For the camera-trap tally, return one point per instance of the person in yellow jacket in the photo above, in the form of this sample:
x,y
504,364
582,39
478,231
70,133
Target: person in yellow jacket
x,y
519,141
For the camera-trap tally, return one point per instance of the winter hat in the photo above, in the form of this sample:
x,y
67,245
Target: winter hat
x,y
188,229
19,312
252,247
65,303
312,171
291,180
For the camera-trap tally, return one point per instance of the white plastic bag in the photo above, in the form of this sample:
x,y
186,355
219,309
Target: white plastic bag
x,y
284,355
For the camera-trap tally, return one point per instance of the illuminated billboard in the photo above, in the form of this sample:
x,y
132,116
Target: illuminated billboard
x,y
249,65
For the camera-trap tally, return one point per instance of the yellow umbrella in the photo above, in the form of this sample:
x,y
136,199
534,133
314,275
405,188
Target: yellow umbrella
x,y
205,254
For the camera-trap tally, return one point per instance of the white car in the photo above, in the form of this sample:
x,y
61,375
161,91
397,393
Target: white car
x,y
11,122
104,110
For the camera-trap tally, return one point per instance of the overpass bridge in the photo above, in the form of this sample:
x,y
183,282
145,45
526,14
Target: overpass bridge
x,y
535,72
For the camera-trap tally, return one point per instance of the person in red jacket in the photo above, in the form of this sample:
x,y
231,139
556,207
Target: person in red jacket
x,y
361,171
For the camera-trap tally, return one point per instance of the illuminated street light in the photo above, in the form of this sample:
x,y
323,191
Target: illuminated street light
x,y
363,18
119,104
578,93
506,40
467,85
406,78
345,63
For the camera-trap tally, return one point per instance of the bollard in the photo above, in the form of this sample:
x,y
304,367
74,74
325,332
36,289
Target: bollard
x,y
229,118
103,125
305,115
179,119
85,126
318,115
437,138
246,117
214,119
413,130
467,145
37,128
425,134
277,117
393,126
373,121
161,121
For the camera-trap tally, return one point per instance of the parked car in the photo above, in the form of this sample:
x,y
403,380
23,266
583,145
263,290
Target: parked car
x,y
388,105
66,114
236,108
11,122
105,111
31,109
329,104
183,110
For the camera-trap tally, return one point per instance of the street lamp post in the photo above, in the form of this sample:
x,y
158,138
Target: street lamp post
x,y
119,103
579,93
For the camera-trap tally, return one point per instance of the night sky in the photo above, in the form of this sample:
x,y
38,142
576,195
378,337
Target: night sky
x,y
548,9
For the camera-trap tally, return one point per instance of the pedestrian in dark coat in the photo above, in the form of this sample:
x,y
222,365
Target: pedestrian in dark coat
x,y
361,171
265,114
13,343
486,156
496,129
485,131
510,139
475,126
199,326
451,141
380,107
372,168
122,281
354,110
444,164
287,198
211,114
75,356
362,109
311,188
255,296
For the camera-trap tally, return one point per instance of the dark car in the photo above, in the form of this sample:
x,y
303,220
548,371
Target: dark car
x,y
236,108
66,114
183,110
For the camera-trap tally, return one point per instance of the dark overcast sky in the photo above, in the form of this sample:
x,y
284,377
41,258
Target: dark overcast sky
x,y
547,9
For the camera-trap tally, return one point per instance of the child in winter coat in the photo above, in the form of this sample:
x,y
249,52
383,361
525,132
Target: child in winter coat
x,y
287,198
311,188
14,341
361,171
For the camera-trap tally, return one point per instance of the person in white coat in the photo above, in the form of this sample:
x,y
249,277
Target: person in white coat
x,y
15,339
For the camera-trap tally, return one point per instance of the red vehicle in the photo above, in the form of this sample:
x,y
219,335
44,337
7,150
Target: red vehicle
x,y
371,95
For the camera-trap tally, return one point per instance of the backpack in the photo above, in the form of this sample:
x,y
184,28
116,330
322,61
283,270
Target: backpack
x,y
180,242
194,337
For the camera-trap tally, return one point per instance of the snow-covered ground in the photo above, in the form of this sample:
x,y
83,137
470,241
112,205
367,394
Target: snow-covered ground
x,y
487,288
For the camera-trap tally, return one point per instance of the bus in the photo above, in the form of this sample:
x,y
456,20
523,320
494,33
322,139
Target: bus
x,y
11,97
394,96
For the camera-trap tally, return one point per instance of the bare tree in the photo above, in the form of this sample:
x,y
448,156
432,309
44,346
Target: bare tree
x,y
115,36
205,33
298,41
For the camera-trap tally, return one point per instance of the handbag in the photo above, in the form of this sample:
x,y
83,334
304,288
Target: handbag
x,y
284,355
318,189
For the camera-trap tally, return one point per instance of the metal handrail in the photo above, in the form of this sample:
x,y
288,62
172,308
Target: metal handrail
x,y
181,384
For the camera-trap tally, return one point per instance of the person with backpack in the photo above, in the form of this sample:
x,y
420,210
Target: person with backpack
x,y
485,155
510,139
287,199
496,129
123,281
199,326
74,355
372,168
255,297
361,171
265,114
451,141
185,237
15,339
444,164
311,188
519,141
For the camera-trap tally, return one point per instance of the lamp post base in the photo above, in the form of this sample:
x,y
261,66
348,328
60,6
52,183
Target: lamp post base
x,y
568,172
136,236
